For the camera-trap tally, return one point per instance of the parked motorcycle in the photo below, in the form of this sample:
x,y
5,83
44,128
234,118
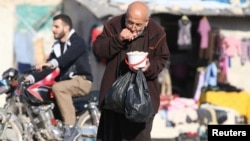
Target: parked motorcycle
x,y
31,113
10,127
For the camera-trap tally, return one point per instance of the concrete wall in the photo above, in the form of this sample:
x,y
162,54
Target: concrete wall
x,y
6,44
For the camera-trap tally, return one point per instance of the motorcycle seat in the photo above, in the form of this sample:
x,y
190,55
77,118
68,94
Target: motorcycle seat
x,y
92,96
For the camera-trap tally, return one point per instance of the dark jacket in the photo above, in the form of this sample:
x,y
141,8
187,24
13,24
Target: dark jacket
x,y
107,45
75,60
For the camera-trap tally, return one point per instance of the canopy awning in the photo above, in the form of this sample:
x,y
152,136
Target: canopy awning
x,y
103,8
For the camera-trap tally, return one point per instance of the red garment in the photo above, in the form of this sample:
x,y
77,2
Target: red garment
x,y
95,32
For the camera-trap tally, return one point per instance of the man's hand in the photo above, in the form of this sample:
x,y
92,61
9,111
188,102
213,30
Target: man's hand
x,y
145,68
40,67
127,35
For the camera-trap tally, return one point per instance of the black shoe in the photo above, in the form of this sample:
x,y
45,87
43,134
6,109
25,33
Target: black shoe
x,y
70,133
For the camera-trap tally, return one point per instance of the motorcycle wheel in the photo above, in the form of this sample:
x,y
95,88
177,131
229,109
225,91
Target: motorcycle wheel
x,y
86,124
10,131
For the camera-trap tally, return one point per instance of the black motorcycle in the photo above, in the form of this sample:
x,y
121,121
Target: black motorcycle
x,y
31,113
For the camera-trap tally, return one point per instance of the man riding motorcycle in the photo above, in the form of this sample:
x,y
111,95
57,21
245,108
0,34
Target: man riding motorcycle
x,y
69,54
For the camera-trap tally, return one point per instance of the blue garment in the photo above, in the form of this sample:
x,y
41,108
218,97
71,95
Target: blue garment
x,y
24,48
211,75
22,67
164,114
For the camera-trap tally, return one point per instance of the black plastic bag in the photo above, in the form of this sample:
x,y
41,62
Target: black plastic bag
x,y
129,95
138,104
114,99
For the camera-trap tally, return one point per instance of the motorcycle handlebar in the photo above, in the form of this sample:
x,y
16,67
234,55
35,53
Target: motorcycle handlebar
x,y
34,69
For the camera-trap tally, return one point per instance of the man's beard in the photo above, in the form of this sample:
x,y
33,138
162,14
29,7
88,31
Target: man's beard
x,y
139,33
60,36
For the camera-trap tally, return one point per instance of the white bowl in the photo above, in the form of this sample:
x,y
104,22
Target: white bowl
x,y
137,58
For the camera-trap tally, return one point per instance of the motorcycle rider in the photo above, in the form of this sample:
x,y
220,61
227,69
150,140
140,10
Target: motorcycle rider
x,y
70,54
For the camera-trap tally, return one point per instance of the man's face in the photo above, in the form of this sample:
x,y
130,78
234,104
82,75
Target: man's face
x,y
58,29
136,24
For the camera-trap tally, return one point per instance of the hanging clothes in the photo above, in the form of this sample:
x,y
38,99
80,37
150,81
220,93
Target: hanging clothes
x,y
211,75
204,29
231,46
184,34
245,49
223,68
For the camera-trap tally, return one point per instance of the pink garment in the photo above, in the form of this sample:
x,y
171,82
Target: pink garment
x,y
231,46
182,103
204,28
223,65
